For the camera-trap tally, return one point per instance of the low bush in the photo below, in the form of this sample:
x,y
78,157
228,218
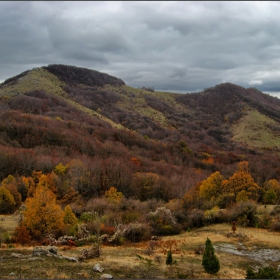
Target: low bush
x,y
195,219
275,225
107,230
93,227
245,213
130,217
275,211
87,217
168,229
136,232
263,273
264,221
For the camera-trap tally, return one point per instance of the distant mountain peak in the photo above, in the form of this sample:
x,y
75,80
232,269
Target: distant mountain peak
x,y
226,88
79,75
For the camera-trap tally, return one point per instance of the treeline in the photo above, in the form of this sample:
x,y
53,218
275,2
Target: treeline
x,y
61,202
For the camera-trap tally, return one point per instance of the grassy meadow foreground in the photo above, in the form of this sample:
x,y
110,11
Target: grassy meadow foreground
x,y
251,247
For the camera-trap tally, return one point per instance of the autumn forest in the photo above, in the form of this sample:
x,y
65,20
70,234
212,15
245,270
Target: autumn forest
x,y
80,151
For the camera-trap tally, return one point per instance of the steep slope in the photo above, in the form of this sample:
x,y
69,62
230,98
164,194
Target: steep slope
x,y
224,108
257,130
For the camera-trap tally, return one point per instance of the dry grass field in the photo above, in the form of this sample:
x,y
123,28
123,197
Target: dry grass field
x,y
146,260
8,222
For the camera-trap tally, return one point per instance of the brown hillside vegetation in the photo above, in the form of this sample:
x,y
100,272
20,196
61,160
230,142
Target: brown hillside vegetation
x,y
85,156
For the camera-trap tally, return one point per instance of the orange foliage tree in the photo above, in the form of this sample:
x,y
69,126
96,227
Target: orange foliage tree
x,y
48,180
42,215
240,181
40,179
191,199
22,235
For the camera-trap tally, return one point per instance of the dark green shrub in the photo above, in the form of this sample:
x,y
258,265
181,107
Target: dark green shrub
x,y
210,261
169,259
250,273
263,273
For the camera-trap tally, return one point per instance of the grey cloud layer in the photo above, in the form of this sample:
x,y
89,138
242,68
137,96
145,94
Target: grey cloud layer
x,y
180,46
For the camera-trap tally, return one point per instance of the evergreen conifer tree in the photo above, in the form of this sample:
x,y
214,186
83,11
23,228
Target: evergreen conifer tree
x,y
210,261
169,259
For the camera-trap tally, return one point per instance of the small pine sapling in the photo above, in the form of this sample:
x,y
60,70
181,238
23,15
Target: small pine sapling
x,y
210,262
169,259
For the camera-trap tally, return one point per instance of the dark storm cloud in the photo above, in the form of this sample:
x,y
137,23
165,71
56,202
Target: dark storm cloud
x,y
180,46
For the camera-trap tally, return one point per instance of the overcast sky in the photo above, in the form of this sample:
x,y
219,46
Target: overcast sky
x,y
172,46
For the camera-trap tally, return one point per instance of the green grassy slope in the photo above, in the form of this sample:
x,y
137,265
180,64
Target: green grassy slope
x,y
36,79
255,130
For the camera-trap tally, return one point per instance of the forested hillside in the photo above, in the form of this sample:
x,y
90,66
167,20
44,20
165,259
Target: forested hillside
x,y
86,135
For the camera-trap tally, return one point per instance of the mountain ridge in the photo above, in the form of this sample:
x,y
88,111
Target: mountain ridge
x,y
100,120
109,98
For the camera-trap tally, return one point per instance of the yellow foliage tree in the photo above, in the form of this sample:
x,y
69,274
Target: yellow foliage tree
x,y
10,183
270,187
69,217
7,202
242,196
61,169
42,215
210,188
113,195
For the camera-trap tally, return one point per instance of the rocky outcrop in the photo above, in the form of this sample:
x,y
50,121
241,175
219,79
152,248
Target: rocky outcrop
x,y
45,251
41,251
106,276
98,268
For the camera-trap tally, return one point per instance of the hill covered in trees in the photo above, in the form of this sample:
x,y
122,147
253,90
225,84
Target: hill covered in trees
x,y
85,134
